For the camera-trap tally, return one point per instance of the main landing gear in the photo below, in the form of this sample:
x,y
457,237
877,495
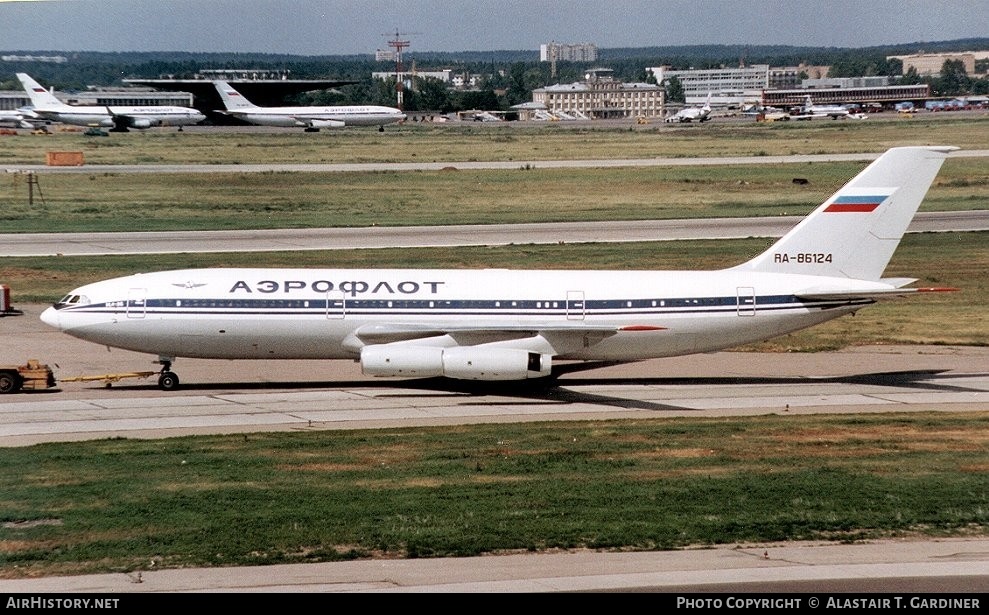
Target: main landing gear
x,y
167,379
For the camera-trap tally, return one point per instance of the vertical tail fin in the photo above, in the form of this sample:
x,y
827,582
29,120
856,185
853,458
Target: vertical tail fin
x,y
854,233
232,99
40,97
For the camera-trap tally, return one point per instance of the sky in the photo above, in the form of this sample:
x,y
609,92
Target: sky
x,y
344,27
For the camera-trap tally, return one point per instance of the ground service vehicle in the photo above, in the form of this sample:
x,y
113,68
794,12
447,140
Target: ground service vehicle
x,y
31,376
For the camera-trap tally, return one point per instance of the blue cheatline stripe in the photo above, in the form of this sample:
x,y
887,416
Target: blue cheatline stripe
x,y
433,308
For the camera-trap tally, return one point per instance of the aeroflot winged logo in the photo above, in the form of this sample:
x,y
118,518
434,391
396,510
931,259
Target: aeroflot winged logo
x,y
856,204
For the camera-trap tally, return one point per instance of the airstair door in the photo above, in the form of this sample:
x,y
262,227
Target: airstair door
x,y
136,302
336,304
575,305
746,301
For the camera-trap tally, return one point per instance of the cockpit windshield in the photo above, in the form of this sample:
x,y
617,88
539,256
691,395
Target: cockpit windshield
x,y
72,299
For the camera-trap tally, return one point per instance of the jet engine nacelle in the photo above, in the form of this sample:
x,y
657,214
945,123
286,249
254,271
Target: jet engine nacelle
x,y
468,363
327,124
402,362
140,123
462,363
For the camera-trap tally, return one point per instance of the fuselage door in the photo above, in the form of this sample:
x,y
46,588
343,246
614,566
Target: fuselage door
x,y
746,301
136,302
336,304
575,305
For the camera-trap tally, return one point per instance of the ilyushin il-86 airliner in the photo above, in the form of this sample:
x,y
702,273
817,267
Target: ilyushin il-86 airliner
x,y
496,324
119,118
311,118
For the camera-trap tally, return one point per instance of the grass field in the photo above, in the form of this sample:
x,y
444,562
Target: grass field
x,y
109,201
274,498
121,505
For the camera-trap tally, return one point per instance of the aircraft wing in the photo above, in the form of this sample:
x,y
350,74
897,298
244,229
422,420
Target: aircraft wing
x,y
562,333
316,121
551,339
236,114
122,121
496,351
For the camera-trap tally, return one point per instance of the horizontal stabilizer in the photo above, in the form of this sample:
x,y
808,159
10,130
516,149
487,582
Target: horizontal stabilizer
x,y
873,293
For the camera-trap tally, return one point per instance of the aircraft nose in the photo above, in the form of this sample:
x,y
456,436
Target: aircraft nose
x,y
50,318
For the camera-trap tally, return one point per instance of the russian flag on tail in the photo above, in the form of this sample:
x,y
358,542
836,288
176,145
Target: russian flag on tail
x,y
856,204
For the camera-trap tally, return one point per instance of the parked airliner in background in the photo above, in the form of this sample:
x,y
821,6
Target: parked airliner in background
x,y
117,118
308,117
809,110
692,114
25,117
497,324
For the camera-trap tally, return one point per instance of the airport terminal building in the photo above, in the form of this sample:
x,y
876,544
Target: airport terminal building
x,y
885,95
600,96
737,87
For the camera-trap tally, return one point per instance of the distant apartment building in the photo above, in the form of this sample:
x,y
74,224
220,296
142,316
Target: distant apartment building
x,y
878,81
459,81
793,76
568,52
600,96
241,74
445,75
930,64
727,86
47,59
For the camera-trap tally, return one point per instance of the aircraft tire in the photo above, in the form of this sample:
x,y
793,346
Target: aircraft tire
x,y
168,381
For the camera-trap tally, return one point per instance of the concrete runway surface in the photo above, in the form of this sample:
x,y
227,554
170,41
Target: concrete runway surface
x,y
83,244
238,396
912,567
221,396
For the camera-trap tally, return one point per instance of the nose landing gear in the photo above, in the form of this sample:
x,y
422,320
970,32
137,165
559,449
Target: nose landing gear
x,y
167,379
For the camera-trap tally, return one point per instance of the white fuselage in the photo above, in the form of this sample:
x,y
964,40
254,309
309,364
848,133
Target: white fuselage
x,y
820,111
363,115
333,314
134,117
47,106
